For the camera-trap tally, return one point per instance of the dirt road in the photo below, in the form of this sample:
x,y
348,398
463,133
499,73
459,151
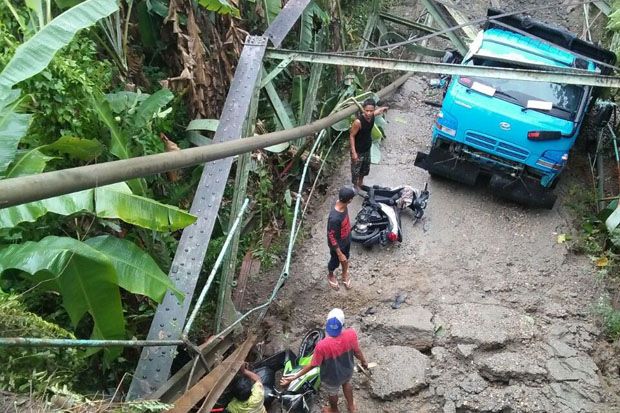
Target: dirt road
x,y
497,312
496,316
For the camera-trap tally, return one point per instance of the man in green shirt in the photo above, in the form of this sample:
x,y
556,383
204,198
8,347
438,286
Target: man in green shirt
x,y
249,394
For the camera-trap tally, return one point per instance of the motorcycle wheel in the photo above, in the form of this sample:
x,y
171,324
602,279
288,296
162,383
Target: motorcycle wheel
x,y
365,236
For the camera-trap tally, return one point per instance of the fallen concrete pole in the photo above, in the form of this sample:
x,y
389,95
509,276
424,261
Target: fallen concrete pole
x,y
16,191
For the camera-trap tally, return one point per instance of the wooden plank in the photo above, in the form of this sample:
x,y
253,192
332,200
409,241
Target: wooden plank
x,y
175,386
250,266
214,383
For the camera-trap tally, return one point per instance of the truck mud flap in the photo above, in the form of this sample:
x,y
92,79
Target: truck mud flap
x,y
444,163
526,192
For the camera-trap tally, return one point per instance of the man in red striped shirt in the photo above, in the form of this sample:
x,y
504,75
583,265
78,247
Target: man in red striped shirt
x,y
334,354
339,238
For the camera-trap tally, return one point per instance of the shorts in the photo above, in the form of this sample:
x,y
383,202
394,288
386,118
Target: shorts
x,y
332,390
361,167
334,262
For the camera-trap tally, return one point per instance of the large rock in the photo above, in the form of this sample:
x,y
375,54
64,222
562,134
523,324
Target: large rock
x,y
516,398
488,326
400,371
580,368
509,365
407,326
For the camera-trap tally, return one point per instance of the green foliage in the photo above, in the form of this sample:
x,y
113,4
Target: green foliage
x,y
133,122
220,7
610,317
34,369
137,272
87,276
13,127
61,95
74,147
271,9
28,163
111,201
36,53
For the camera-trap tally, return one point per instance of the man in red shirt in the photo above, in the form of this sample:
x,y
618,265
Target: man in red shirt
x,y
334,354
339,237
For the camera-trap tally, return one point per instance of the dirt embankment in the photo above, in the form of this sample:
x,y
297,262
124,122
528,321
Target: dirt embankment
x,y
497,312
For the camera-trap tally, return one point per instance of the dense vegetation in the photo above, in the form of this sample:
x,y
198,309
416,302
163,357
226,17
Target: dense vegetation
x,y
94,81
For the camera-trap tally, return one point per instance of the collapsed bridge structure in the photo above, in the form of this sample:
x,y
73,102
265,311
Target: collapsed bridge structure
x,y
235,137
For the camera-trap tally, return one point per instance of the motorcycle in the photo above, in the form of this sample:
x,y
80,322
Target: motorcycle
x,y
378,222
297,397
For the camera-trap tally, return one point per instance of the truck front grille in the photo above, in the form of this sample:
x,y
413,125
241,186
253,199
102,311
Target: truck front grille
x,y
496,146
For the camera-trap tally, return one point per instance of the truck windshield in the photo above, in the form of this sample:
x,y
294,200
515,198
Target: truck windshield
x,y
565,100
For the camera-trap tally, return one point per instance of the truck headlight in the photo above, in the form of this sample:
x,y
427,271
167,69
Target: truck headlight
x,y
446,124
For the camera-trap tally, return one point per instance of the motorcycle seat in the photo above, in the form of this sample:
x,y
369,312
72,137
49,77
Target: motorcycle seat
x,y
382,194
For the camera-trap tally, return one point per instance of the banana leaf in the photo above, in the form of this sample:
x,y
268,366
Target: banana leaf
x,y
124,100
151,107
120,143
203,124
36,53
342,125
306,27
111,201
272,9
375,153
85,278
137,272
298,96
74,147
117,201
13,127
220,7
29,163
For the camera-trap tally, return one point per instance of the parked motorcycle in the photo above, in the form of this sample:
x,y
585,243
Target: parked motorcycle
x,y
378,222
298,396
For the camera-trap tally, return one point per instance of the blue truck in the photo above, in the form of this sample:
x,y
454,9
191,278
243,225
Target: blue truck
x,y
517,132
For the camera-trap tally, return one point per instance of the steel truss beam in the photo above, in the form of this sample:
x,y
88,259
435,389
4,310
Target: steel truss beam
x,y
569,76
411,24
155,362
435,9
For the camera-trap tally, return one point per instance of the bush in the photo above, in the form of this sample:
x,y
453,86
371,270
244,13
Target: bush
x,y
25,369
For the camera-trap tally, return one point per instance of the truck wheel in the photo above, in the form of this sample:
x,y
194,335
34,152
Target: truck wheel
x,y
524,191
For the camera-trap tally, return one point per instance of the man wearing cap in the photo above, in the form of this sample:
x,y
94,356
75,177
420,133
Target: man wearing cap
x,y
334,354
339,238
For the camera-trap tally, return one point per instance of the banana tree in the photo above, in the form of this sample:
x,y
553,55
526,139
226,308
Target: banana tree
x,y
32,57
88,275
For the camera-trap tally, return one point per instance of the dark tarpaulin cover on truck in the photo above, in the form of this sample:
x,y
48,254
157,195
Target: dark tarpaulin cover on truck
x,y
553,35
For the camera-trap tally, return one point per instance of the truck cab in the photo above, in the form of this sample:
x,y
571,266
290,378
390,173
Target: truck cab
x,y
519,132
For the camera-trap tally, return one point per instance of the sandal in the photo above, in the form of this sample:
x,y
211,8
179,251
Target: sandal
x,y
328,409
333,283
347,282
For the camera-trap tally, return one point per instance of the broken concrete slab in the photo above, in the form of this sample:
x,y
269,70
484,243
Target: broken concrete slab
x,y
558,348
510,365
488,326
515,398
474,383
400,371
466,350
580,368
408,326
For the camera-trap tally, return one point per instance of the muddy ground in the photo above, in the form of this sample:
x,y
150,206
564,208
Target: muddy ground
x,y
497,316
